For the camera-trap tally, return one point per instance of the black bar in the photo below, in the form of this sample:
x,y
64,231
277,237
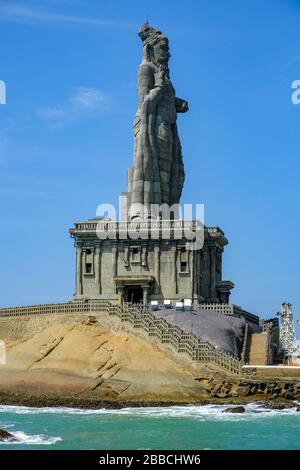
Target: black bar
x,y
138,458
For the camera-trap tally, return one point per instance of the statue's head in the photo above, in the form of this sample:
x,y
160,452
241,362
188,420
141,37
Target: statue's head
x,y
156,45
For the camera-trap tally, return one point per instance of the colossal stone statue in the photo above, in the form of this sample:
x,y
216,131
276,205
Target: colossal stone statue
x,y
157,175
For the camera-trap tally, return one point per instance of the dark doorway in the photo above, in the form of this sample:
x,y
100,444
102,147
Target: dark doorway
x,y
134,294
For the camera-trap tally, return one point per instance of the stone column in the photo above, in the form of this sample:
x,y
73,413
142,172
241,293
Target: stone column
x,y
212,287
114,264
98,268
157,268
121,291
174,269
145,294
84,260
78,269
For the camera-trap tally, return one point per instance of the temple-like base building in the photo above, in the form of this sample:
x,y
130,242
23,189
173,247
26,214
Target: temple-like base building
x,y
122,269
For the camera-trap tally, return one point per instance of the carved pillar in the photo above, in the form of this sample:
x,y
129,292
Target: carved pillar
x,y
78,269
157,268
121,291
145,294
213,254
174,269
83,264
98,268
114,262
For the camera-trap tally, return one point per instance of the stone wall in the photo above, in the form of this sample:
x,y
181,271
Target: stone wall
x,y
176,271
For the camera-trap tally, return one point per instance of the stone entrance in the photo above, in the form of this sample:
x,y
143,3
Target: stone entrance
x,y
134,294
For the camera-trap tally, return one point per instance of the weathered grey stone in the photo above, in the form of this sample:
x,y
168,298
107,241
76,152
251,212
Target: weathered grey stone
x,y
279,404
222,395
224,332
158,164
236,409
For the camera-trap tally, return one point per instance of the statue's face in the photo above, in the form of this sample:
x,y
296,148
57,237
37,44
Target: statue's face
x,y
161,52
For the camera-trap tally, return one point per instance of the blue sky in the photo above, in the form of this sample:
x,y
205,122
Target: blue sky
x,y
66,133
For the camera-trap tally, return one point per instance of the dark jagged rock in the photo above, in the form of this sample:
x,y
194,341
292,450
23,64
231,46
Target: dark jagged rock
x,y
6,436
235,409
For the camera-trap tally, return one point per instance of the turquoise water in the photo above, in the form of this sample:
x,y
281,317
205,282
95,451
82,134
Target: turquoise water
x,y
178,427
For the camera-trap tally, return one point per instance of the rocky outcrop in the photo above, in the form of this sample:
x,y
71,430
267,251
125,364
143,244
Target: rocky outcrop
x,y
251,390
6,436
87,358
80,360
279,404
235,409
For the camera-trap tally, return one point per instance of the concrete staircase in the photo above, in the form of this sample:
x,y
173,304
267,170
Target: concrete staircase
x,y
258,349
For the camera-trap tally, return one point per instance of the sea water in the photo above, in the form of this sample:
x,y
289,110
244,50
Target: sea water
x,y
175,427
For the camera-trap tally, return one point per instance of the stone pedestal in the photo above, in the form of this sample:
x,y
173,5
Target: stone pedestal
x,y
158,265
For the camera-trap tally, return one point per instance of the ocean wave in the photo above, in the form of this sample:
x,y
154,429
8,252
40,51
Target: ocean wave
x,y
38,439
198,412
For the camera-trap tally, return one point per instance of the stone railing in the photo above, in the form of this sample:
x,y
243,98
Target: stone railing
x,y
47,309
187,343
229,309
224,309
139,317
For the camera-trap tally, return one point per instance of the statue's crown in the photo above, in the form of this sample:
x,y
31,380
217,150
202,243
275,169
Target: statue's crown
x,y
148,34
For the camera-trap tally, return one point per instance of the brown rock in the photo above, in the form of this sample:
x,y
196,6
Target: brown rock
x,y
243,391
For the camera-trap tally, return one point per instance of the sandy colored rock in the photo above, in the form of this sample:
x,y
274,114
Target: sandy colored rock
x,y
87,358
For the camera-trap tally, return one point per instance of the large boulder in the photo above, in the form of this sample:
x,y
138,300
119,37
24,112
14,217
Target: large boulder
x,y
224,332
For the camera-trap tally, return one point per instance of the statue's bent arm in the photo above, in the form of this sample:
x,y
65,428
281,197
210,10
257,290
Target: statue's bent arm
x,y
182,106
150,90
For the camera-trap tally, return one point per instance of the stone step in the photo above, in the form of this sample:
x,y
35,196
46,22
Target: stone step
x,y
258,349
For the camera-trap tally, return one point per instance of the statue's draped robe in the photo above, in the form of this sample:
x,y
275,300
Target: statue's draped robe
x,y
157,175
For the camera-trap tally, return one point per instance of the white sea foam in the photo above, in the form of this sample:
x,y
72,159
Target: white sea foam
x,y
202,413
38,439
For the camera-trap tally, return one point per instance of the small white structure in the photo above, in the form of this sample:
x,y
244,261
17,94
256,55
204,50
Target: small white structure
x,y
187,305
154,305
179,306
167,304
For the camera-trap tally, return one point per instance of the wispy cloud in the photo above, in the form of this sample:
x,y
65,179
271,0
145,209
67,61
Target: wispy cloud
x,y
15,12
295,60
82,104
